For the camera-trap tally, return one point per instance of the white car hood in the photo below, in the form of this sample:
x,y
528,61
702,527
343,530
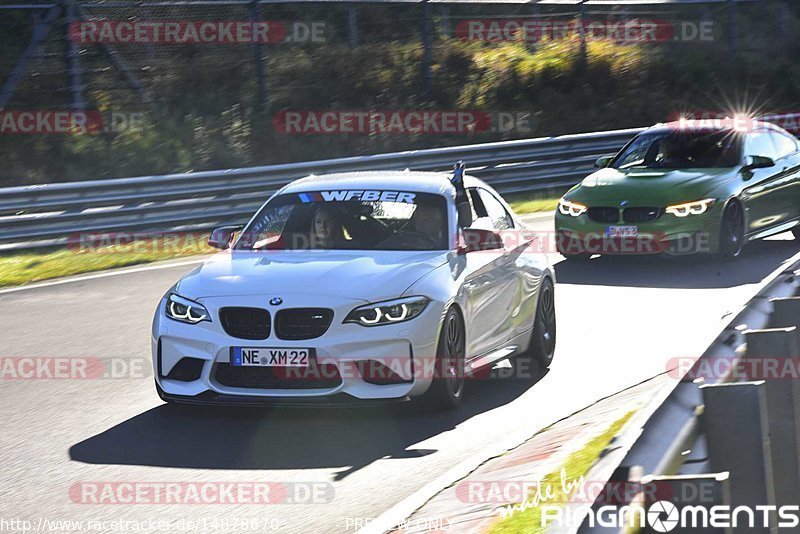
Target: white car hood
x,y
363,275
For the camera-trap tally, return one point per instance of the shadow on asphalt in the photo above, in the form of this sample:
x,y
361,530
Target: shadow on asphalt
x,y
286,438
757,261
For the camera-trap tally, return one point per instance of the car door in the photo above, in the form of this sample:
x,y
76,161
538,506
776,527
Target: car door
x,y
491,283
762,204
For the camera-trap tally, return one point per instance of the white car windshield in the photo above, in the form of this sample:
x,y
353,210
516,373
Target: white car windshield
x,y
349,220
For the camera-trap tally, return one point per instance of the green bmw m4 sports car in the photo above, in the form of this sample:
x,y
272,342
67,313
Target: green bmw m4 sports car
x,y
684,188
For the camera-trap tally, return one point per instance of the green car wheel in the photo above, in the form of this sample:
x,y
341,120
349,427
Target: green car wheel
x,y
731,236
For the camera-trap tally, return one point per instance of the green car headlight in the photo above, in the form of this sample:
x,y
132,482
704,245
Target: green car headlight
x,y
565,207
388,312
697,207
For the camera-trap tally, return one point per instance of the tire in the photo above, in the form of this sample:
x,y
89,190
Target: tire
x,y
543,338
447,389
731,231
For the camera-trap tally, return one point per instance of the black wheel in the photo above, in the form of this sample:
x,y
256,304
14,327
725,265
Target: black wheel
x,y
543,338
544,330
447,388
731,231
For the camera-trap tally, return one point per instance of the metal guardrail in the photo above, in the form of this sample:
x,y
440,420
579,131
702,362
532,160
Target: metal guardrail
x,y
682,439
48,213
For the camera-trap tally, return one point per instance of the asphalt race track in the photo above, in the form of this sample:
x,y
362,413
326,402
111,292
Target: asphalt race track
x,y
620,321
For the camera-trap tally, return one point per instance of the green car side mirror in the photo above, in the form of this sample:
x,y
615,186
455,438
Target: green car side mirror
x,y
603,161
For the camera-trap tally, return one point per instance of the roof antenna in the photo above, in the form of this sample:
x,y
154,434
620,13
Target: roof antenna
x,y
458,175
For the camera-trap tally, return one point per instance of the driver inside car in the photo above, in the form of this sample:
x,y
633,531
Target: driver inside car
x,y
326,229
427,220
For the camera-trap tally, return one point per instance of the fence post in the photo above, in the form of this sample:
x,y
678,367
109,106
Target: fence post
x,y
263,94
733,28
786,311
774,348
735,419
74,69
584,55
444,26
352,26
426,47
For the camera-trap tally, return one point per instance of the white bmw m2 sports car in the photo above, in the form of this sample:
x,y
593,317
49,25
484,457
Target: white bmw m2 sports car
x,y
370,286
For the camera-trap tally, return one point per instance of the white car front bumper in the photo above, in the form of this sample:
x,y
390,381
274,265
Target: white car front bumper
x,y
407,348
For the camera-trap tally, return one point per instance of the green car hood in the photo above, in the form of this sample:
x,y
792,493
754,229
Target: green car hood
x,y
650,187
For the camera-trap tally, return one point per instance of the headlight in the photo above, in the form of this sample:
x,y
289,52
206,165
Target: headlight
x,y
565,207
185,310
388,311
691,208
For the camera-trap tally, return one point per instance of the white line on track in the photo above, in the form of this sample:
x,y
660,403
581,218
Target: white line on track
x,y
104,274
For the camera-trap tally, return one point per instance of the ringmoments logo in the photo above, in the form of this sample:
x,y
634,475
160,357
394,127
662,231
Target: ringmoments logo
x,y
665,516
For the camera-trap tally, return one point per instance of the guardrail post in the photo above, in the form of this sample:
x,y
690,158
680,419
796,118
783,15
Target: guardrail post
x,y
775,351
786,311
735,419
704,490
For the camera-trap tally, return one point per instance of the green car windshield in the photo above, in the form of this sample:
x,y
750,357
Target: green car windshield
x,y
681,149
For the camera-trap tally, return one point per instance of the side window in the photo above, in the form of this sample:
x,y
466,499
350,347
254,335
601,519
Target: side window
x,y
759,143
784,145
480,217
500,218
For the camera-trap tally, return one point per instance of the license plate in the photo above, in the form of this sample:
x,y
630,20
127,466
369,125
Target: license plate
x,y
622,231
269,357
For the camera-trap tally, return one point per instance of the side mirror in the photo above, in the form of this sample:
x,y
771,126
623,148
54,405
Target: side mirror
x,y
476,240
757,162
603,161
221,237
